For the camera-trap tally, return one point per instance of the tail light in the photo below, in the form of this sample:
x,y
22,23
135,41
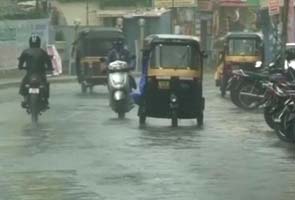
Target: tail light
x,y
35,81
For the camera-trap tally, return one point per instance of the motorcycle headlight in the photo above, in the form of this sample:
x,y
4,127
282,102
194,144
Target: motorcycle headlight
x,y
119,95
258,64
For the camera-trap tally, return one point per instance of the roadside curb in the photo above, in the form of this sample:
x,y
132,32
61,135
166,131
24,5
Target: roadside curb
x,y
52,80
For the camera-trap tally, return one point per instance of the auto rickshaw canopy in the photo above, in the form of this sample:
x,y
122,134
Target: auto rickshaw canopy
x,y
95,41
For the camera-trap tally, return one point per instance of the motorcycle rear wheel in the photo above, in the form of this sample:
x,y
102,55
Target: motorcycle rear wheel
x,y
269,117
234,97
34,108
249,103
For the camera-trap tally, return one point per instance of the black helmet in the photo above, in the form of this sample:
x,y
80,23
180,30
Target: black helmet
x,y
35,41
118,43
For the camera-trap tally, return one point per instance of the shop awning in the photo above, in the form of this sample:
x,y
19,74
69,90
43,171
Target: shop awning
x,y
205,5
232,3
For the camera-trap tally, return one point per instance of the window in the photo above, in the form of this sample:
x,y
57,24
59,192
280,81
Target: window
x,y
242,47
97,47
176,56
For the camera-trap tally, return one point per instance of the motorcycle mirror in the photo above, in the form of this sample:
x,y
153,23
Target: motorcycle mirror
x,y
258,64
102,60
272,64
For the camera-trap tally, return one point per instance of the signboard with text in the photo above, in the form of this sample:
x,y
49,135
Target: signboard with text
x,y
174,3
273,7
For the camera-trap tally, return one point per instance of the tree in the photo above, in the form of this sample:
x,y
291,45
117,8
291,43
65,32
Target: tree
x,y
117,2
125,2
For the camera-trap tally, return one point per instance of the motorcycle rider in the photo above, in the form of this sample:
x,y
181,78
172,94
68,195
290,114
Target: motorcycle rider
x,y
119,52
36,61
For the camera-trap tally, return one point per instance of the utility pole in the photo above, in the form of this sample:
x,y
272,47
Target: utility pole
x,y
284,31
87,12
37,5
173,16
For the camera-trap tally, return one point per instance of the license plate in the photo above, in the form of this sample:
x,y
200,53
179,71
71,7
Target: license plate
x,y
164,85
34,91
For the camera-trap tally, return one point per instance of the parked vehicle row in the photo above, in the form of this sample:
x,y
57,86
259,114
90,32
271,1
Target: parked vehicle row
x,y
272,88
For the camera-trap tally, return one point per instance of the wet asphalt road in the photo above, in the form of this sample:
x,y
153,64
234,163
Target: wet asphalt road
x,y
80,151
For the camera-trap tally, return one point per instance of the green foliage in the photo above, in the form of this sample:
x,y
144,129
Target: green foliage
x,y
125,2
116,2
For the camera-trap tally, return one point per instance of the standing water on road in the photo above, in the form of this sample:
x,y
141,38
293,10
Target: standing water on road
x,y
81,150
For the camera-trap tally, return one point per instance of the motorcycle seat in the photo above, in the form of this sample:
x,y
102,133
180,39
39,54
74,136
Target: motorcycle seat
x,y
258,75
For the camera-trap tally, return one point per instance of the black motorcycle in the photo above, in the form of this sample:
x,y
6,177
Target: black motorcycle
x,y
37,90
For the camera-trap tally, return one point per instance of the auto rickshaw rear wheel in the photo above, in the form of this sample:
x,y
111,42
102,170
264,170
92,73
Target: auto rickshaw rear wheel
x,y
200,119
83,88
174,119
142,119
91,89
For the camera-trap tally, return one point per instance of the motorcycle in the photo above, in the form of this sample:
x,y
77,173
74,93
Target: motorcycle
x,y
247,88
37,97
120,85
285,122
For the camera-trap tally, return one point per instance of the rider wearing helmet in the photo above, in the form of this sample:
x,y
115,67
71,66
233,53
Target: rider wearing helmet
x,y
36,61
119,52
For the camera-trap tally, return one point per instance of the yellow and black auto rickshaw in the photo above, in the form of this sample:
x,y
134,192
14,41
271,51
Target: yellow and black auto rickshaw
x,y
242,50
171,82
92,47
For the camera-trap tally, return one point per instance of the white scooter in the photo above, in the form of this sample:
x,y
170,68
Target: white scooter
x,y
119,88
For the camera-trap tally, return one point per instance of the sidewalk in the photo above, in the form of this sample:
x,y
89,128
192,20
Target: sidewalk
x,y
15,82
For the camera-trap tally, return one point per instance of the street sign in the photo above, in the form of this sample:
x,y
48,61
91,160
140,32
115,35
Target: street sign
x,y
174,3
273,7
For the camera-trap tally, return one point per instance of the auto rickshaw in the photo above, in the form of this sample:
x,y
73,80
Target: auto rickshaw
x,y
242,50
171,81
92,48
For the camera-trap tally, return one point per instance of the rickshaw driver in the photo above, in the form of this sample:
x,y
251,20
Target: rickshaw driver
x,y
37,61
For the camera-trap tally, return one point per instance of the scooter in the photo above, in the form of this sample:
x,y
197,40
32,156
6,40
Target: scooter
x,y
120,87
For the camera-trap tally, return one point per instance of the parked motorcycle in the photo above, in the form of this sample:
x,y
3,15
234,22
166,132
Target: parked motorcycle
x,y
37,91
247,89
120,86
285,122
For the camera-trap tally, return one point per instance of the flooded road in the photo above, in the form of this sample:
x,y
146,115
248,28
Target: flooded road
x,y
80,151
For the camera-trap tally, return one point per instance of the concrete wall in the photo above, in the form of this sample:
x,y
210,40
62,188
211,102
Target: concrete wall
x,y
157,25
77,10
14,36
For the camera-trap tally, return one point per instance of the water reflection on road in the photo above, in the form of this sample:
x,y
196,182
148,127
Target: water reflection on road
x,y
80,151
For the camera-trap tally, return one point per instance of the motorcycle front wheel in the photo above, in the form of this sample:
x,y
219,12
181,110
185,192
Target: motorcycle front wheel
x,y
285,129
121,115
